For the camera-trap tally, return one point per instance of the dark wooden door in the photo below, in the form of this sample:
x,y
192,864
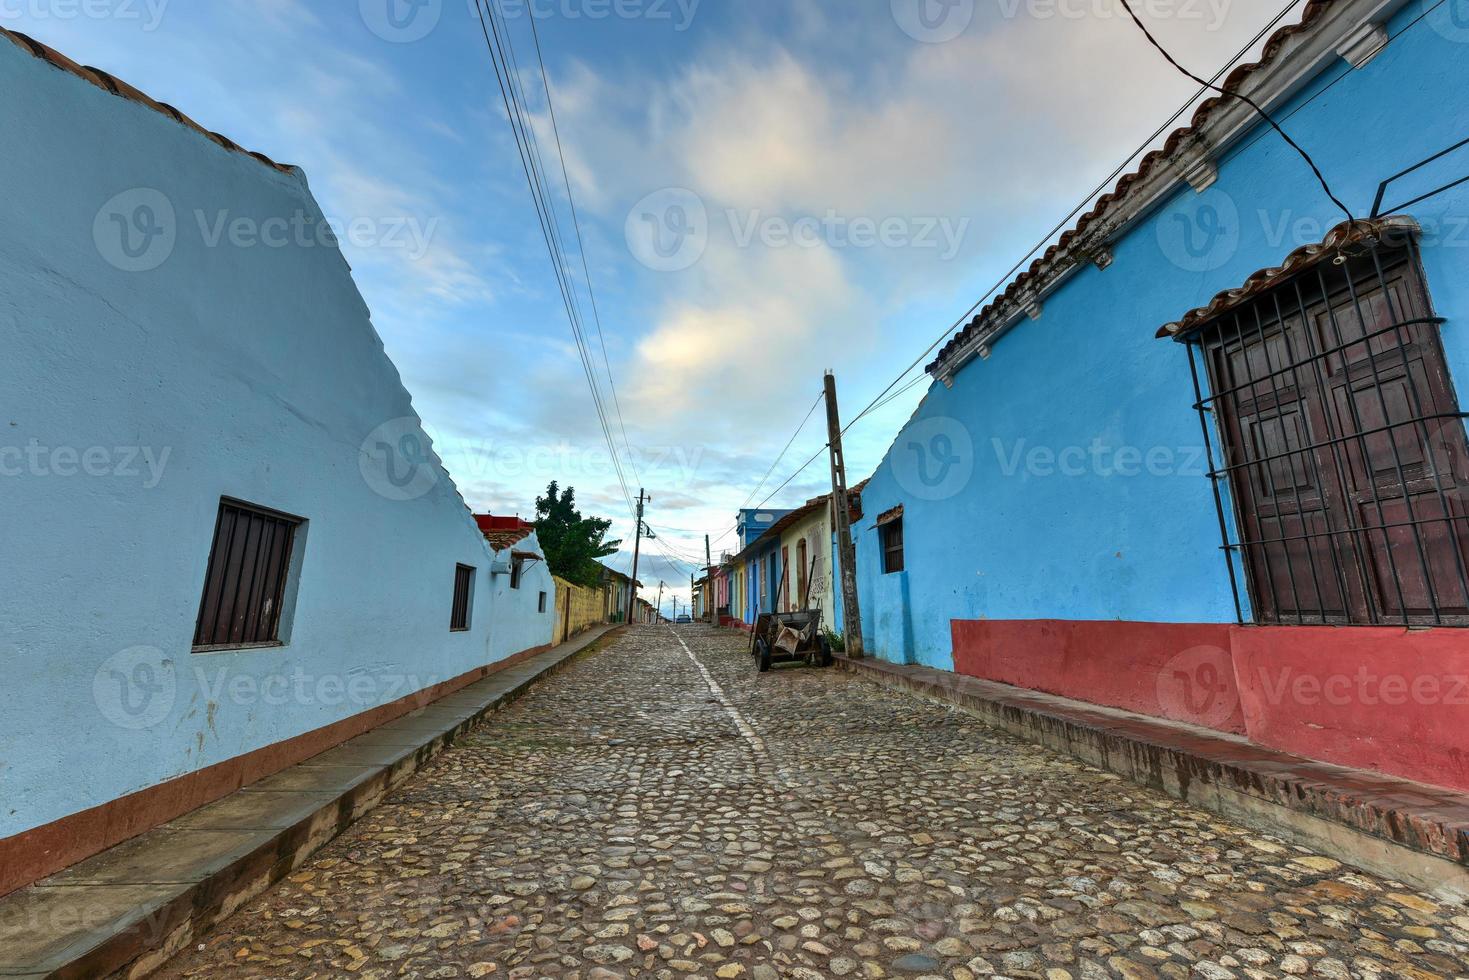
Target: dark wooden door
x,y
1346,456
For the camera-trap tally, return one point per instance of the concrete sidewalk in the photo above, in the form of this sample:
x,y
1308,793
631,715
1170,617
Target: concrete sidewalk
x,y
130,908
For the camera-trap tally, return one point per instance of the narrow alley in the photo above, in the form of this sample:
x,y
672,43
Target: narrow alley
x,y
660,809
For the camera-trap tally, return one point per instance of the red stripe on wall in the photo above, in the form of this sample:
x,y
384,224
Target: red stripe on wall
x,y
1383,699
1168,670
1386,699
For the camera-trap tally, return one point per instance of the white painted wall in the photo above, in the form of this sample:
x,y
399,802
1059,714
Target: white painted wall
x,y
252,372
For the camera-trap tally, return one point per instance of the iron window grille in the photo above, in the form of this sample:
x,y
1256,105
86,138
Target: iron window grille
x,y
463,591
1341,479
245,582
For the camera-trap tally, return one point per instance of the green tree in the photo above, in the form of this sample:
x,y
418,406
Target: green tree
x,y
572,543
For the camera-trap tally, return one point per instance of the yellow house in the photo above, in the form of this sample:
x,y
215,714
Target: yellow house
x,y
806,546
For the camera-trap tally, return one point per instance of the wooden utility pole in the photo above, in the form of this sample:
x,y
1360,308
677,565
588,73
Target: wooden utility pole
x,y
658,610
842,520
709,602
632,592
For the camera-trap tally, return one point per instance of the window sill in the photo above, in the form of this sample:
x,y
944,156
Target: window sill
x,y
237,647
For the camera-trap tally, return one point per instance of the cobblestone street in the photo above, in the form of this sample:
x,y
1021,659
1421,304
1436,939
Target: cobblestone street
x,y
660,809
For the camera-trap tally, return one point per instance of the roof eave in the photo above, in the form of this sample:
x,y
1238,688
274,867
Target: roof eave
x,y
1304,50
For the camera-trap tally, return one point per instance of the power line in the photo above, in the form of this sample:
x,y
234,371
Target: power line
x,y
1064,222
1126,5
887,395
538,166
582,248
794,436
513,98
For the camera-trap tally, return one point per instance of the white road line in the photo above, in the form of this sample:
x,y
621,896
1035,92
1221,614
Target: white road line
x,y
746,731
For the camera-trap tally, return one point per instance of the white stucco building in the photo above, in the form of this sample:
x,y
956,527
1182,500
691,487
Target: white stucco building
x,y
228,542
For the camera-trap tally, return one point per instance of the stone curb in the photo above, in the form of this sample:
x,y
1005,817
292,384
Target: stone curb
x,y
1405,831
129,909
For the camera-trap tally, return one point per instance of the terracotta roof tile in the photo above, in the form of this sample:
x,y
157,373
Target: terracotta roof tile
x,y
116,86
1391,230
500,540
1179,139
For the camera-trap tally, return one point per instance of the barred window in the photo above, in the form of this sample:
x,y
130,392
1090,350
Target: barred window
x,y
463,596
245,582
1341,467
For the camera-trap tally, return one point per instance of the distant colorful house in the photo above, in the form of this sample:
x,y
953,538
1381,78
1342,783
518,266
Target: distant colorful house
x,y
720,584
643,612
751,524
619,589
762,575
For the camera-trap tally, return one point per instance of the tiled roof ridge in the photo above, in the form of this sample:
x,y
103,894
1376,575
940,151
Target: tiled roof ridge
x,y
500,540
1180,138
118,87
1367,232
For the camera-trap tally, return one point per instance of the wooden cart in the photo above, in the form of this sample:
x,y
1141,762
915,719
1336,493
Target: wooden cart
x,y
793,637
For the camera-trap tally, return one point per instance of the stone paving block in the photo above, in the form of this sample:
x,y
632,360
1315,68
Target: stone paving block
x,y
260,810
47,929
316,778
164,855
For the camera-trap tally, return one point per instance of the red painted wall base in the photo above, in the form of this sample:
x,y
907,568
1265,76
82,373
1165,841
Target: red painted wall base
x,y
1390,700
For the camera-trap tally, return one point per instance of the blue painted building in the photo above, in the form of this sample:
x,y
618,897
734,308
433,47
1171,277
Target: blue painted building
x,y
1048,517
751,524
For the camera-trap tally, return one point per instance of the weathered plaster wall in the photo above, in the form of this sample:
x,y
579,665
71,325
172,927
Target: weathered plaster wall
x,y
994,531
258,373
577,608
519,622
815,530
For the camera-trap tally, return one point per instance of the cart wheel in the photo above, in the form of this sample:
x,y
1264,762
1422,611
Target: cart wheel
x,y
824,657
762,650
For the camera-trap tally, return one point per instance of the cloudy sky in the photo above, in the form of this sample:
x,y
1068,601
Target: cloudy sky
x,y
767,189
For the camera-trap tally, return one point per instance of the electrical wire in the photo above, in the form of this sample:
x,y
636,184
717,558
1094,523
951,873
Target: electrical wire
x,y
884,398
1088,199
582,248
794,436
538,166
1127,5
512,97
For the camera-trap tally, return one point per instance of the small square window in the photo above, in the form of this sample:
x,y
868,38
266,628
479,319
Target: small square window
x,y
463,595
892,546
543,602
515,567
245,583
